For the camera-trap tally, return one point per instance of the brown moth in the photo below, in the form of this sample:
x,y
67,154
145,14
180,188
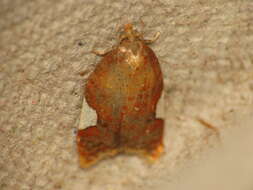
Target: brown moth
x,y
124,90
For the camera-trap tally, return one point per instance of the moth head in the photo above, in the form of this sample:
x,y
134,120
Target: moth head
x,y
130,33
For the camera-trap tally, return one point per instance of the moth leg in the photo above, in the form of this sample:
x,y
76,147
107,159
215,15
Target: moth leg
x,y
100,52
155,37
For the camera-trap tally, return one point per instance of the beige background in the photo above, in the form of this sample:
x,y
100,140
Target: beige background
x,y
205,51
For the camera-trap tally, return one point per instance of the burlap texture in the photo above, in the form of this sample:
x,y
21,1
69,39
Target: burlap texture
x,y
205,51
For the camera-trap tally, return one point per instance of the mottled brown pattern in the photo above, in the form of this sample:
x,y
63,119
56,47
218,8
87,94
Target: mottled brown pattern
x,y
124,90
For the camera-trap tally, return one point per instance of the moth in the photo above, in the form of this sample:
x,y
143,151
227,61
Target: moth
x,y
124,90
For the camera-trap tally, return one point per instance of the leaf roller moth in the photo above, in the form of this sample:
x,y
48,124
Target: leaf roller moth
x,y
124,90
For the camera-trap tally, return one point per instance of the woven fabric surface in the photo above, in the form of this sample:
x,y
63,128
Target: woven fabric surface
x,y
205,51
